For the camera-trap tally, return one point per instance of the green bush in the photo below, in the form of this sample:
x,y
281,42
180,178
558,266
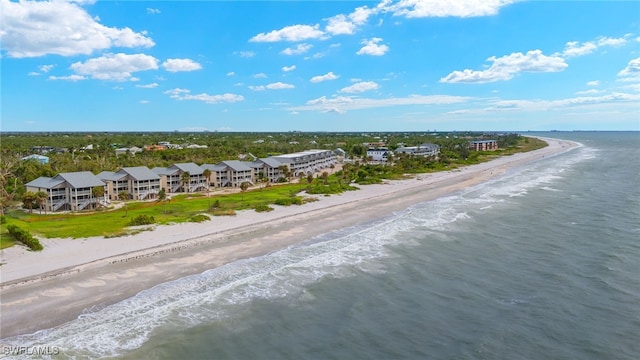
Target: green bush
x,y
3,219
24,237
263,208
199,218
142,220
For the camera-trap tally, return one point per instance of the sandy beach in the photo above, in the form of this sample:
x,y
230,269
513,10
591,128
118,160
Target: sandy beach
x,y
70,276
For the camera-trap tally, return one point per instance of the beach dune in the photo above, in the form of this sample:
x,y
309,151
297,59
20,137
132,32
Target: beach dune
x,y
69,277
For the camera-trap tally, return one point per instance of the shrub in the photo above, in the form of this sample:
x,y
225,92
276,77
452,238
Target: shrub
x,y
24,237
223,212
263,208
3,219
199,218
142,220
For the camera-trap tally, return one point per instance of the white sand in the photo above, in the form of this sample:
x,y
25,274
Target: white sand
x,y
101,271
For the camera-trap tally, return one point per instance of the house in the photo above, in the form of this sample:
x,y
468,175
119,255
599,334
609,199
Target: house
x,y
420,150
39,158
307,162
70,191
269,167
174,180
140,182
378,154
483,145
232,173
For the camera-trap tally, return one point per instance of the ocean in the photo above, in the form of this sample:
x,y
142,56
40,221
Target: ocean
x,y
540,263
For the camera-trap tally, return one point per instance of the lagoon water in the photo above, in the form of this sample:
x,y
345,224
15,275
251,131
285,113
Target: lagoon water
x,y
540,263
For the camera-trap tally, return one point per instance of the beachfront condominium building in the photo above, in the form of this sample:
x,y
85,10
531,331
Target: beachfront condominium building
x,y
307,162
173,178
378,154
139,182
483,145
270,169
420,150
230,173
70,191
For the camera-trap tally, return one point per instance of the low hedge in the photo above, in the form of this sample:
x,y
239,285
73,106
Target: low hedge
x,y
24,237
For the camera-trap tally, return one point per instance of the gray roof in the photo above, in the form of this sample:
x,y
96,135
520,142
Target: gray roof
x,y
213,167
81,179
110,176
140,173
164,171
191,168
272,162
237,165
44,183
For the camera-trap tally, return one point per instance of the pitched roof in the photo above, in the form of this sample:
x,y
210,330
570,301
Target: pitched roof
x,y
140,173
80,179
164,171
44,182
110,176
237,165
191,168
213,167
272,162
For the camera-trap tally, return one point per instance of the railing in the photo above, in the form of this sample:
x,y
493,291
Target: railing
x,y
84,204
175,188
58,205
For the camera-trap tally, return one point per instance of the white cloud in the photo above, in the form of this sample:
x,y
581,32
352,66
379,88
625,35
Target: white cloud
x,y
291,33
589,92
593,83
371,47
153,11
245,54
445,8
508,66
632,70
575,48
38,28
257,88
360,87
280,85
342,104
288,68
176,65
116,67
328,76
231,73
73,78
184,94
260,76
144,102
46,68
148,86
340,25
299,49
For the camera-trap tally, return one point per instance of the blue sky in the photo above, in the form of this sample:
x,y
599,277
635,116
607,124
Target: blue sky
x,y
404,65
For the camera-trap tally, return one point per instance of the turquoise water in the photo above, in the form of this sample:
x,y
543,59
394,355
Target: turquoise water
x,y
541,263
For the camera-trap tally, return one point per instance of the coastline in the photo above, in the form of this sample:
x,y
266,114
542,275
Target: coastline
x,y
75,276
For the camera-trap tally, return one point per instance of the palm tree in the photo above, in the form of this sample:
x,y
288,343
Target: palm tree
x,y
207,173
123,195
97,192
41,198
325,177
243,187
28,199
162,196
185,179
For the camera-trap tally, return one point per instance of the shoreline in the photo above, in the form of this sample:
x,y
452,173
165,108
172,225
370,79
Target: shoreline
x,y
75,276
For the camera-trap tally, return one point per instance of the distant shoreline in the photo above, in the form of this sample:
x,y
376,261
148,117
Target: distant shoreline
x,y
74,275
